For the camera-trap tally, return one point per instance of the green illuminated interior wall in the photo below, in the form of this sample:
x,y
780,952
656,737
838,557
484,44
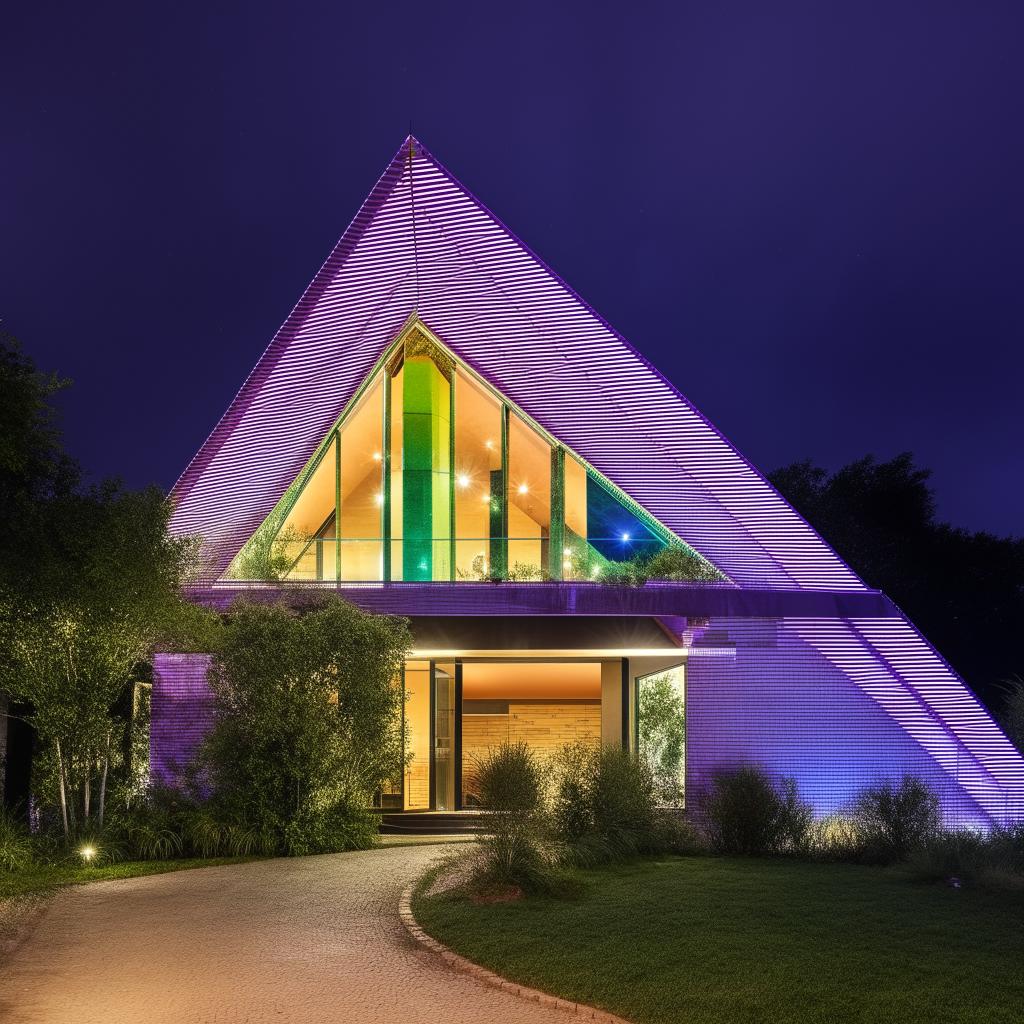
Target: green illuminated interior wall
x,y
426,471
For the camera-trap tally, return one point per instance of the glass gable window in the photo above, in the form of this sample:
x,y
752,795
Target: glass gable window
x,y
431,476
529,501
360,483
479,481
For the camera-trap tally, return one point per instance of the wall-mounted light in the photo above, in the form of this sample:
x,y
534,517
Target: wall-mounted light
x,y
462,480
522,488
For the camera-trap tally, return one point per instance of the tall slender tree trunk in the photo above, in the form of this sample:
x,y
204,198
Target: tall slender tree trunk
x,y
103,781
86,787
63,791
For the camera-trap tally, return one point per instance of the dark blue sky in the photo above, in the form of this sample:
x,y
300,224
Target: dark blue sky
x,y
809,216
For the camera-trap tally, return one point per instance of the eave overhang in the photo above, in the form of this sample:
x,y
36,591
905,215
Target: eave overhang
x,y
661,600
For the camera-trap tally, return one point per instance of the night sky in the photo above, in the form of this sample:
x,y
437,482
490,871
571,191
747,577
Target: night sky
x,y
809,216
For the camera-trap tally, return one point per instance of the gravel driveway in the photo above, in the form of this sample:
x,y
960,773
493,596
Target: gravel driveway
x,y
314,939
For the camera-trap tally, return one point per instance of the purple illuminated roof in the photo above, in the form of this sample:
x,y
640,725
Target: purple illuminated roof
x,y
498,307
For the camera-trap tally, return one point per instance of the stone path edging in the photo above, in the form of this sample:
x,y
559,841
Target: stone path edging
x,y
464,966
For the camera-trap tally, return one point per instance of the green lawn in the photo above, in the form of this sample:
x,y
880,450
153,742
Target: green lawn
x,y
43,879
731,941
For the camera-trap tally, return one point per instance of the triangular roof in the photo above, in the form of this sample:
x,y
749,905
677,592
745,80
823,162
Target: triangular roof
x,y
422,243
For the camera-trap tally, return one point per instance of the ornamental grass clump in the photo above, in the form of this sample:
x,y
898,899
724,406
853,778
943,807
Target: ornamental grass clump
x,y
16,850
745,811
510,783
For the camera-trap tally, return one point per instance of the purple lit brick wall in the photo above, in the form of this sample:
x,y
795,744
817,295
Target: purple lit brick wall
x,y
758,692
181,711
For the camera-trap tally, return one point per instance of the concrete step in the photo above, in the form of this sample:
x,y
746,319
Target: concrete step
x,y
436,823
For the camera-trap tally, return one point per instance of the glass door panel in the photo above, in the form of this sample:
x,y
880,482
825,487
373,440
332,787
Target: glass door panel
x,y
444,736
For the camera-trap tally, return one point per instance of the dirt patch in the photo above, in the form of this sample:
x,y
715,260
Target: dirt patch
x,y
497,894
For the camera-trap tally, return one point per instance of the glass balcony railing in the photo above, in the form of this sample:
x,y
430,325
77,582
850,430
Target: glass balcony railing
x,y
437,559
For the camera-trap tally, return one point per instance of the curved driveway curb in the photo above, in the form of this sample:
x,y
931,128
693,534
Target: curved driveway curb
x,y
461,964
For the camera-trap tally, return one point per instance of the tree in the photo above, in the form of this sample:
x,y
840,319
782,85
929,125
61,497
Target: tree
x,y
1013,711
90,583
104,593
307,721
964,590
33,465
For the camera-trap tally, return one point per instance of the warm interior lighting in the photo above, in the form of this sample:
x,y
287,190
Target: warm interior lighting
x,y
522,488
376,456
462,480
378,498
488,444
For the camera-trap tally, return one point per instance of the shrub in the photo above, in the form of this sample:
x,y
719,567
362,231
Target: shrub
x,y
572,812
674,834
623,800
511,786
894,819
993,858
340,828
672,563
605,808
1009,844
16,853
959,853
306,727
744,811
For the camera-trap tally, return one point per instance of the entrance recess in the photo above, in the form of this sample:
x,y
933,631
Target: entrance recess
x,y
456,711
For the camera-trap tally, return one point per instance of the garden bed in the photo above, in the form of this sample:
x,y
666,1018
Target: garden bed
x,y
716,940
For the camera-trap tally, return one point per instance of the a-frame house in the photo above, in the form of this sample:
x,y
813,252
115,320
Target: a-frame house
x,y
443,429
